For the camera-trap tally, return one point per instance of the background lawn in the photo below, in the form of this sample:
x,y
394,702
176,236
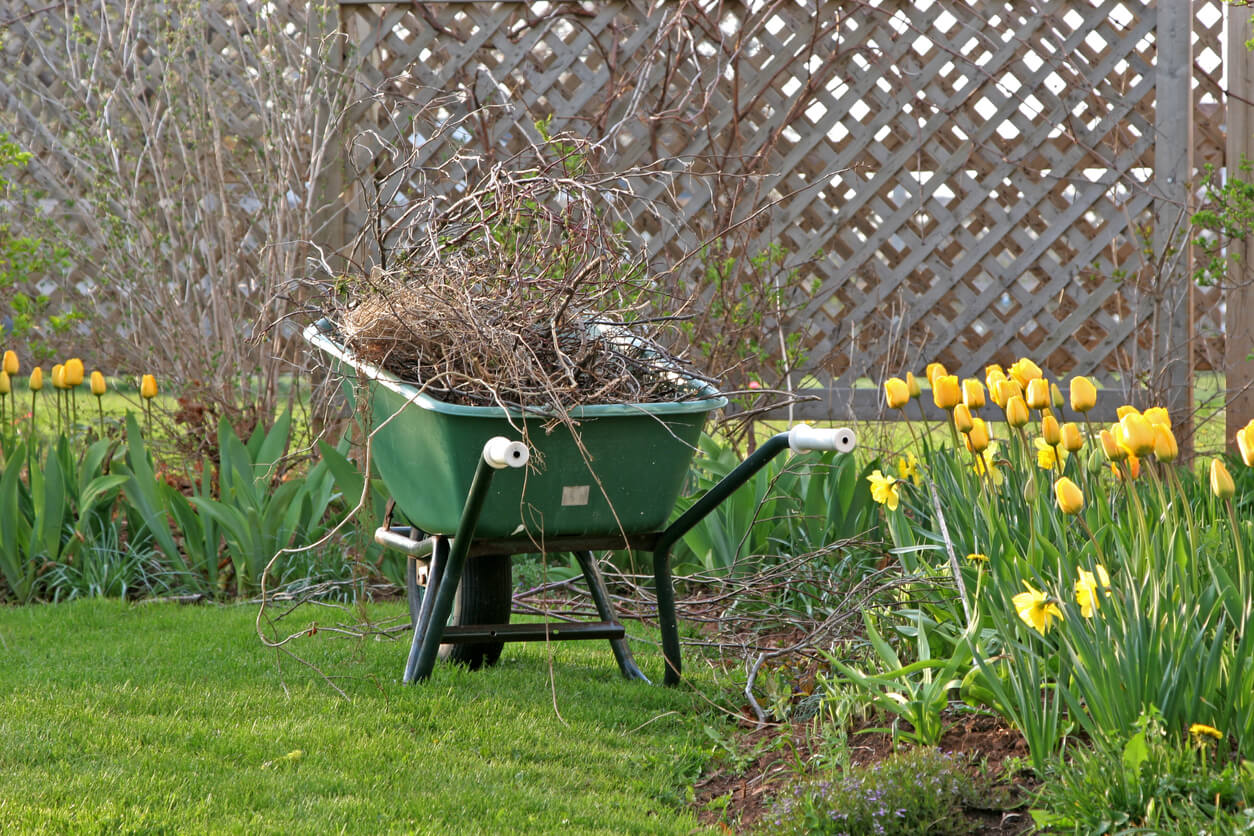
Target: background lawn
x,y
117,717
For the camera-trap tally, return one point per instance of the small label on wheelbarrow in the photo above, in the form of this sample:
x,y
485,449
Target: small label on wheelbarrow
x,y
575,495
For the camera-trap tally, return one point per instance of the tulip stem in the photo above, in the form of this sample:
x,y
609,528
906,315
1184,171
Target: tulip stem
x,y
100,409
1096,548
1236,539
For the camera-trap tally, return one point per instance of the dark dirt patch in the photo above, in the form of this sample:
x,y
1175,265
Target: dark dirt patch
x,y
736,794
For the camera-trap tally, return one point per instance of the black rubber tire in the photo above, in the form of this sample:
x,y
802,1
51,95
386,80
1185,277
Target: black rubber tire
x,y
484,597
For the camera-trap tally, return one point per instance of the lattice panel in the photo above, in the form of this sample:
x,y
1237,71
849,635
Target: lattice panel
x,y
960,181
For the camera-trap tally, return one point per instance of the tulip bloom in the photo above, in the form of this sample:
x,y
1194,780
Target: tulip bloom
x,y
1083,394
896,393
148,387
1070,497
73,372
946,393
1035,609
97,384
1071,437
1037,394
1024,370
993,380
36,379
58,376
1158,415
977,436
1165,447
11,366
1016,412
962,418
6,386
912,385
932,371
1245,443
1221,484
1111,447
973,393
1138,434
1050,431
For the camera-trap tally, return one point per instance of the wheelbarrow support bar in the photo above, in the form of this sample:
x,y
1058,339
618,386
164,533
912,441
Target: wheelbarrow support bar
x,y
800,438
497,454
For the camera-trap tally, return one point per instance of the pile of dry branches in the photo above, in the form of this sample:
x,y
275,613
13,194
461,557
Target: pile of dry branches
x,y
521,292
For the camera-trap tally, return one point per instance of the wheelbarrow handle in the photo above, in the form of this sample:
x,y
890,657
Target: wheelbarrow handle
x,y
500,453
803,438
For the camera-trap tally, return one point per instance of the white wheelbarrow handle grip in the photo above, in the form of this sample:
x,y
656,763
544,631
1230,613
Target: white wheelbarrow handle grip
x,y
803,438
500,453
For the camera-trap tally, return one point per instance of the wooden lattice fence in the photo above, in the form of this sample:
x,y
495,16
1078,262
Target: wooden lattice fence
x,y
963,182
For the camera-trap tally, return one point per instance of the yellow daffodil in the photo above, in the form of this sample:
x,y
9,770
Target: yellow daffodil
x,y
931,372
1024,370
946,393
1070,497
97,384
912,385
1083,394
962,418
972,393
977,437
1016,412
1221,484
1087,587
148,387
1200,730
1037,393
896,393
1138,434
11,366
1245,443
1047,455
908,468
1165,447
1035,609
985,465
884,489
1071,438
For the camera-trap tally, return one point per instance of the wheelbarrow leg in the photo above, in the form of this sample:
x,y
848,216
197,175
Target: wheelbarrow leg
x,y
605,610
422,623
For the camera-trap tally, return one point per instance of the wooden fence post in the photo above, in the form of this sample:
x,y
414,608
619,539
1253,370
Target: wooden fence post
x,y
1239,294
1172,354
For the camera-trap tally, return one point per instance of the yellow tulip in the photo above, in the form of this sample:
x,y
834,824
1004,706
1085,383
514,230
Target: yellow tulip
x,y
1007,389
994,368
1037,393
1072,438
1035,608
1221,484
1158,415
11,366
896,393
1111,447
962,418
148,387
1132,467
1245,443
977,436
973,393
946,393
97,384
1138,434
1055,396
1126,409
1083,394
993,380
36,379
1050,431
58,376
73,372
932,371
1165,447
6,386
1016,412
1024,370
912,384
1070,497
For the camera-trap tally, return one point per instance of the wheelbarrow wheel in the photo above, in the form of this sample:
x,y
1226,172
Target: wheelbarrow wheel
x,y
485,596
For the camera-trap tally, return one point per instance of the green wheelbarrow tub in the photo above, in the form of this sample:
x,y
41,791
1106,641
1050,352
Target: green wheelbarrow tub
x,y
621,475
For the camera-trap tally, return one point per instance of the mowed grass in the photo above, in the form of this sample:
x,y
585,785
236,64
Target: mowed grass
x,y
139,718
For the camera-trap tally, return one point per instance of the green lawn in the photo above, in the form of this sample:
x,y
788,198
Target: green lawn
x,y
161,718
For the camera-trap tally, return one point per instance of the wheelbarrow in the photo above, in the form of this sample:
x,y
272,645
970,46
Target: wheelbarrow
x,y
460,476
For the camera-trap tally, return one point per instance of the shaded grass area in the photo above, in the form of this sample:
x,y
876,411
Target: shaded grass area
x,y
129,718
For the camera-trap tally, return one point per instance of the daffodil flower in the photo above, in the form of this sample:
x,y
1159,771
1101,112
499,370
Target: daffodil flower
x,y
884,489
1047,455
1035,609
908,468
